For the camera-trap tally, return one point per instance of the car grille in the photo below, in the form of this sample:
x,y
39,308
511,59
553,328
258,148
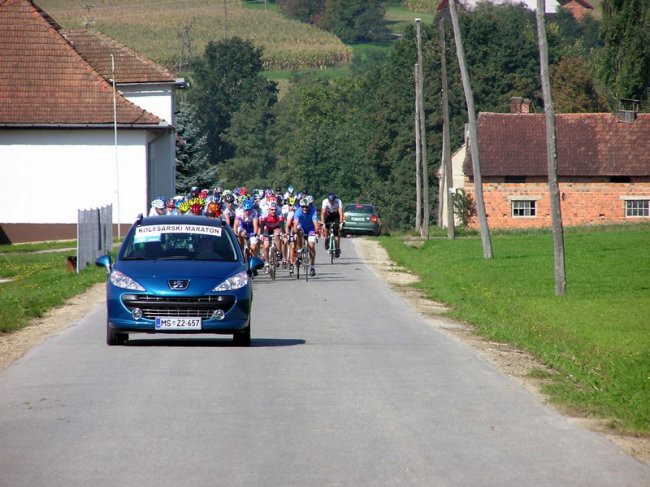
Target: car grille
x,y
178,306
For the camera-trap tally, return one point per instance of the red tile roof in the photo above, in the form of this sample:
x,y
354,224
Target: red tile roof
x,y
96,48
588,144
44,81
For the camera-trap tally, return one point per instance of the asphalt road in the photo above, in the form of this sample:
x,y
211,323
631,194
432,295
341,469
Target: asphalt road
x,y
343,385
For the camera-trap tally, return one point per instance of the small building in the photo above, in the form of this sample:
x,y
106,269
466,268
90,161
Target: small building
x,y
577,8
58,148
603,166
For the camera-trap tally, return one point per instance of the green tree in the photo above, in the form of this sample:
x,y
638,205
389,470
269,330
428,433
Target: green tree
x,y
225,78
574,89
251,135
303,10
356,20
193,167
624,62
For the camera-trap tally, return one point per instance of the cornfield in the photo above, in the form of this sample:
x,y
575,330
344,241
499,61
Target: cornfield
x,y
423,6
155,30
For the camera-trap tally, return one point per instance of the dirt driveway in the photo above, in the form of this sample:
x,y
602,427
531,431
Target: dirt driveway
x,y
511,361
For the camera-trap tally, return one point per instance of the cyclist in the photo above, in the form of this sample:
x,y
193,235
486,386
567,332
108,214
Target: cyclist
x,y
305,221
332,214
271,225
158,206
247,226
171,207
228,210
213,210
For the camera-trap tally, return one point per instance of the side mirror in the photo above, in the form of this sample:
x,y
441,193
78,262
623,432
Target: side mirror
x,y
105,261
255,264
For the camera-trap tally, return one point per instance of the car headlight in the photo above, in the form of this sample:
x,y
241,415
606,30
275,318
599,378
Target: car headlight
x,y
234,282
125,282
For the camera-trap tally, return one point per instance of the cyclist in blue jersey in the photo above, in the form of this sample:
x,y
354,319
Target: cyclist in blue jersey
x,y
305,221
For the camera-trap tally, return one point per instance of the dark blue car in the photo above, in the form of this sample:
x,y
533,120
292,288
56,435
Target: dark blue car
x,y
179,274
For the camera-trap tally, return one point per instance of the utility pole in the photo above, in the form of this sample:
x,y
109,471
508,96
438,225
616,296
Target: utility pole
x,y
418,156
551,154
225,13
473,138
446,142
423,137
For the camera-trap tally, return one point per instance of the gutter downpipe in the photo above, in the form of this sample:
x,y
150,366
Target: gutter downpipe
x,y
117,170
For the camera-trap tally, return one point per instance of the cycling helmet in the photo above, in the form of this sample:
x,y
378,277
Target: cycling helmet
x,y
158,204
247,205
273,205
196,209
290,189
278,189
170,204
184,207
242,191
304,202
331,196
212,209
230,198
310,199
194,191
204,193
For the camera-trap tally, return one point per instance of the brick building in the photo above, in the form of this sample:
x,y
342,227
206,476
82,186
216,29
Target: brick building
x,y
603,163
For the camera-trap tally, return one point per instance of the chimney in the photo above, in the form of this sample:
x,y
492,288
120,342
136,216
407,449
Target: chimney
x,y
519,104
629,109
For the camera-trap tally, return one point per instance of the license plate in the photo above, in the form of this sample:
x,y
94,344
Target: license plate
x,y
163,324
357,219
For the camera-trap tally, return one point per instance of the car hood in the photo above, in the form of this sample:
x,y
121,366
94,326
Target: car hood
x,y
178,269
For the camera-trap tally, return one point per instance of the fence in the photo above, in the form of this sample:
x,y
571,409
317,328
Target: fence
x,y
94,234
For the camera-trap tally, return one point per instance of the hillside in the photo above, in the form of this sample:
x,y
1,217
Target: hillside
x,y
155,29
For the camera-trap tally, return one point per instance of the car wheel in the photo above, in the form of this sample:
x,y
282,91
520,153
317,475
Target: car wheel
x,y
242,338
115,338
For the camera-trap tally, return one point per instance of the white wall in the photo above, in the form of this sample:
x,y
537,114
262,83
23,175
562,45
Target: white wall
x,y
47,175
156,98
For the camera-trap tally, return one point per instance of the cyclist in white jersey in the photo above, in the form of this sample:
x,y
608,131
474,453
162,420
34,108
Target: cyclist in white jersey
x,y
332,212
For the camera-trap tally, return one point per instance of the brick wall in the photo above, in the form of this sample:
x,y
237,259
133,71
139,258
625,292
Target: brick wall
x,y
585,201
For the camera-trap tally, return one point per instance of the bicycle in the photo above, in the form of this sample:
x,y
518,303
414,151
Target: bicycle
x,y
303,259
273,259
331,243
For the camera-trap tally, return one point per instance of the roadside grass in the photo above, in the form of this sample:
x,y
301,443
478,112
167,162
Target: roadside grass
x,y
38,282
596,338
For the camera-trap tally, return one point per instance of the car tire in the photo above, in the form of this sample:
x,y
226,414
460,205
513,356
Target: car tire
x,y
242,338
115,338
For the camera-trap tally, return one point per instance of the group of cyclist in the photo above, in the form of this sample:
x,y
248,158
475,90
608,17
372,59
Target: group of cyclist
x,y
286,218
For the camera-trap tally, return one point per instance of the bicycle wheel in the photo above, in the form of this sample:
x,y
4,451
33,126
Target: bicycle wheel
x,y
273,262
331,248
305,255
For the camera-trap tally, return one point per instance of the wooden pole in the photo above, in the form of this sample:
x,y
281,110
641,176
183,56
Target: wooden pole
x,y
423,138
446,142
551,154
418,156
473,139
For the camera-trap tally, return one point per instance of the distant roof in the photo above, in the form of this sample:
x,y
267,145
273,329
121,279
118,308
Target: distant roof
x,y
44,81
584,3
130,67
588,144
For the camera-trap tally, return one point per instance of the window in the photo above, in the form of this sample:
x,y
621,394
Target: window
x,y
523,208
515,179
637,208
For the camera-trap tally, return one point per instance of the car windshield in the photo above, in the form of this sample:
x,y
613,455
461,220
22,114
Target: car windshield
x,y
359,209
180,242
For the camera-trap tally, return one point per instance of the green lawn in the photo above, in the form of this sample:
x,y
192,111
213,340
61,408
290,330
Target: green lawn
x,y
597,337
38,282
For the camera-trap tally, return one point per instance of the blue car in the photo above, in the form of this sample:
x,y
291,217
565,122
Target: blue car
x,y
179,274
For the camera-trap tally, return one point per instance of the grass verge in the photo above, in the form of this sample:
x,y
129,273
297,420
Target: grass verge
x,y
597,337
38,282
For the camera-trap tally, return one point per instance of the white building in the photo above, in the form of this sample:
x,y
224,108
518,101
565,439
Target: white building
x,y
57,140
